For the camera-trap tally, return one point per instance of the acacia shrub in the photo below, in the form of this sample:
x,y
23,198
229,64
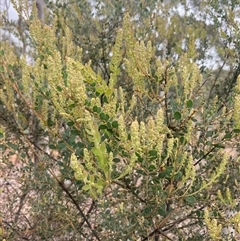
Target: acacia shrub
x,y
133,163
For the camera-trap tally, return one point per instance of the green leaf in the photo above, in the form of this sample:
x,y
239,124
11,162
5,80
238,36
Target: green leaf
x,y
59,88
71,141
102,116
151,168
140,171
61,145
182,140
80,144
86,187
75,132
70,123
109,125
50,122
23,155
227,136
178,176
64,75
13,146
209,134
219,145
72,106
41,57
140,159
169,170
116,160
2,52
79,152
97,137
161,174
51,146
107,117
153,153
177,115
190,200
115,124
147,211
102,147
162,210
95,109
104,99
96,151
236,130
189,104
97,94
103,127
200,213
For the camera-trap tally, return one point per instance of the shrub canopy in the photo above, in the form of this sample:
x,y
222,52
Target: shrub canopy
x,y
121,129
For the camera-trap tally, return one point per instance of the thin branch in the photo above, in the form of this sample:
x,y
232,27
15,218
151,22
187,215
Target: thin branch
x,y
80,210
204,156
130,189
88,212
157,231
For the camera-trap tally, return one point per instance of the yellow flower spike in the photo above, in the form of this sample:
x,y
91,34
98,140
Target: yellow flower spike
x,y
135,138
86,155
76,83
69,49
159,146
149,51
128,34
143,134
229,197
220,196
212,225
185,80
88,119
160,126
236,221
44,113
188,135
122,101
160,70
132,162
95,102
110,165
136,76
26,80
191,48
74,162
190,170
151,136
110,108
115,60
170,145
54,71
88,161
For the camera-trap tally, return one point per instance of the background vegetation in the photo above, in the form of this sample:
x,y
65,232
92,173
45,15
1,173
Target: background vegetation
x,y
120,121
